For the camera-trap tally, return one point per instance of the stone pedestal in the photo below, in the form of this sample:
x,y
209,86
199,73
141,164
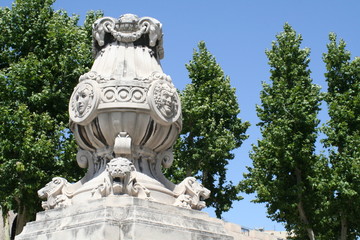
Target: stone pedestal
x,y
123,218
126,116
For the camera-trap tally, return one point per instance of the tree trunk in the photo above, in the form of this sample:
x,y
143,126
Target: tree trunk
x,y
300,207
21,219
344,226
304,219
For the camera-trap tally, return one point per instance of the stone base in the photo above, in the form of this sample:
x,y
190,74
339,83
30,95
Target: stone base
x,y
123,218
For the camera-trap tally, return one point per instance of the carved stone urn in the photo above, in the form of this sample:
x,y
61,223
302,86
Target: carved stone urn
x,y
126,115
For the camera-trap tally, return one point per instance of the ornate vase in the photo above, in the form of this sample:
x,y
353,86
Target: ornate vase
x,y
125,115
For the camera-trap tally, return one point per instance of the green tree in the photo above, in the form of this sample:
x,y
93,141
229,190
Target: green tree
x,y
283,160
42,54
211,130
343,138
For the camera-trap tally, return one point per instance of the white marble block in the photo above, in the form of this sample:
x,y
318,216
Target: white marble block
x,y
123,218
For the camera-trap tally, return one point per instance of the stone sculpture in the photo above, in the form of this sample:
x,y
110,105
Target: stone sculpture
x,y
53,192
125,115
190,194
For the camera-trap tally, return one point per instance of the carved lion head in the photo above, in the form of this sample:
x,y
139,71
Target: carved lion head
x,y
119,167
52,188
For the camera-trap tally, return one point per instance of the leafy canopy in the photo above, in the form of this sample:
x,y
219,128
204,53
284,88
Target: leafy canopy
x,y
283,160
343,139
42,54
211,130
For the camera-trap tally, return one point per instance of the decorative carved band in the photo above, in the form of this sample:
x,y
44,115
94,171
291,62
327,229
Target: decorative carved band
x,y
92,75
123,94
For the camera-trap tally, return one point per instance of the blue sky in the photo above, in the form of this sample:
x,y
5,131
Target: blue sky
x,y
237,33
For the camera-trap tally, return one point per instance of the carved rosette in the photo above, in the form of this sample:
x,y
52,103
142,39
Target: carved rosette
x,y
164,102
84,102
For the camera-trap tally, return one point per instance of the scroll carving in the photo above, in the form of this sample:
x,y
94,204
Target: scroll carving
x,y
128,28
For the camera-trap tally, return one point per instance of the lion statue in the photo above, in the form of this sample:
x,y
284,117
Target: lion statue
x,y
191,194
53,192
120,179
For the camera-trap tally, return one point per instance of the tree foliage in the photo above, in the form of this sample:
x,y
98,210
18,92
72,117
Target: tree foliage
x,y
42,54
343,139
211,130
283,160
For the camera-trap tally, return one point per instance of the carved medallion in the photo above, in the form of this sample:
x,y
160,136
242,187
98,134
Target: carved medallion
x,y
164,102
84,101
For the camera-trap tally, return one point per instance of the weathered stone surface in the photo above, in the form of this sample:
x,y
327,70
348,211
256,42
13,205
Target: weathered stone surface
x,y
125,218
125,108
125,115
